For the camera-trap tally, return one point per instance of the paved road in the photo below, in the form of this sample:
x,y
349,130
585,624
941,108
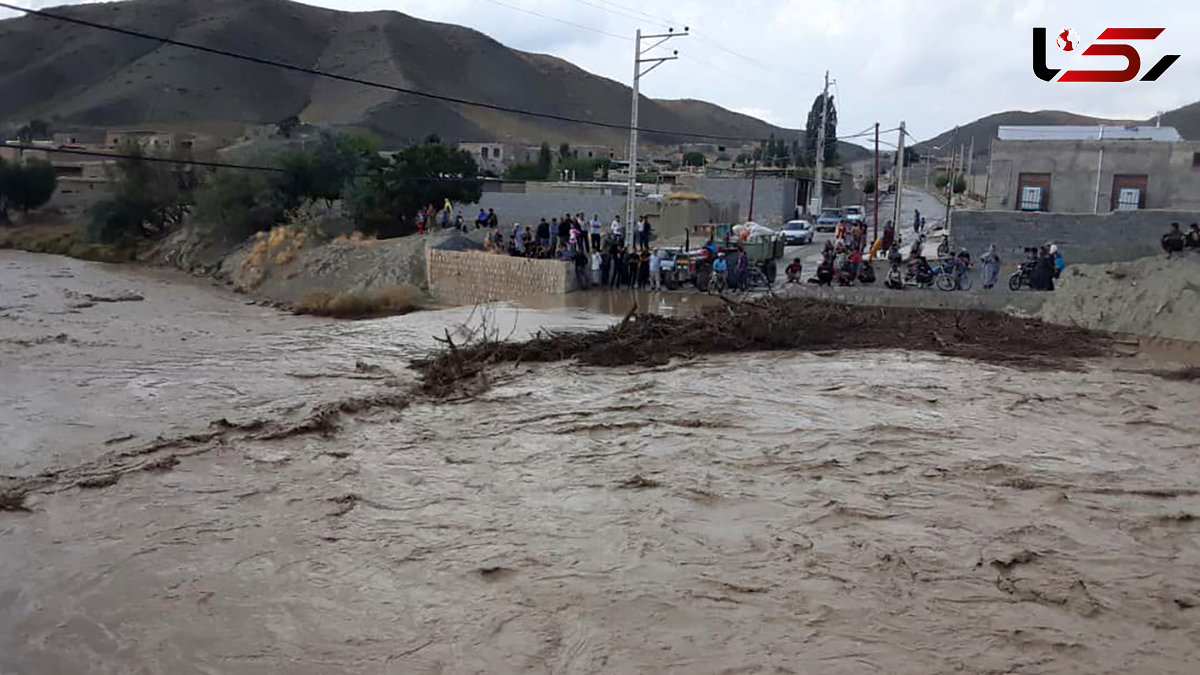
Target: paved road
x,y
933,211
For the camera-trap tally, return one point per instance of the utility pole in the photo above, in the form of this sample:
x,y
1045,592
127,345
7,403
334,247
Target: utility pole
x,y
899,178
638,72
877,180
821,145
950,191
753,180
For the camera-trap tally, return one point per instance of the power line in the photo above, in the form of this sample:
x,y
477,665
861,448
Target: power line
x,y
556,19
369,83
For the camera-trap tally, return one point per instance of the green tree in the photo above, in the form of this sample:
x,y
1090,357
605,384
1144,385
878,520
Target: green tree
x,y
324,173
564,151
524,171
868,187
694,159
960,184
941,180
149,197
584,168
25,186
545,161
386,200
812,129
235,204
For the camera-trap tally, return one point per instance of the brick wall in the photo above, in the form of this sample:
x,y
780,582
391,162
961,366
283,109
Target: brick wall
x,y
472,276
1083,238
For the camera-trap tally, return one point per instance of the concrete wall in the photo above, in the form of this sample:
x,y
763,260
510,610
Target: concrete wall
x,y
528,209
471,277
1173,181
1083,238
774,198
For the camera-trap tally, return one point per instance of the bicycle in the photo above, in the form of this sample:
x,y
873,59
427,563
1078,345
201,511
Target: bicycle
x,y
954,275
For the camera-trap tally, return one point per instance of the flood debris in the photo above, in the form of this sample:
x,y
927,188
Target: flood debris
x,y
13,500
345,503
638,483
101,481
1019,558
775,324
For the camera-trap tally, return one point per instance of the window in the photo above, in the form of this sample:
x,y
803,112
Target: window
x,y
1129,192
1031,198
1128,199
1033,192
483,151
1196,160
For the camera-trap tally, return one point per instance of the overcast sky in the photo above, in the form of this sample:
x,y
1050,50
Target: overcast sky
x,y
933,63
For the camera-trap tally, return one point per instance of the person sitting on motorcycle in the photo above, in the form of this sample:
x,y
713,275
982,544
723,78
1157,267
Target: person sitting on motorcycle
x,y
794,271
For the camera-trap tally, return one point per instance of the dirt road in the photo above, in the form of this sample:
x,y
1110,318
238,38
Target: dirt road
x,y
859,512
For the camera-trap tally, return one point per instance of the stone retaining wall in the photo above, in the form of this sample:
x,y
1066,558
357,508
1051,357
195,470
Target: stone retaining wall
x,y
470,277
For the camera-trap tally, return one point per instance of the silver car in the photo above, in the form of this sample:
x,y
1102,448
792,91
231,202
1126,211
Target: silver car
x,y
797,233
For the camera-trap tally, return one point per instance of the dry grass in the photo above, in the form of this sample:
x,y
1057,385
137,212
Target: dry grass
x,y
65,240
383,301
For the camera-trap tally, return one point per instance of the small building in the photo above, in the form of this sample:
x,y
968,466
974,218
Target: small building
x,y
489,156
1092,169
164,141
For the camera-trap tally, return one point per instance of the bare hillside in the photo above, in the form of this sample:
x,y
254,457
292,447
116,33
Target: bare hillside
x,y
81,76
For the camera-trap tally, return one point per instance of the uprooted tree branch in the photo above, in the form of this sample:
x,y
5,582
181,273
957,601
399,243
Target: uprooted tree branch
x,y
771,324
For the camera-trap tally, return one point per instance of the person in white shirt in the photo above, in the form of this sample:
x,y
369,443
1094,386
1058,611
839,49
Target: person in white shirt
x,y
655,271
597,260
616,230
596,230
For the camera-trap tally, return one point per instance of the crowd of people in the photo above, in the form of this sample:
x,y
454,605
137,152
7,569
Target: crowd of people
x,y
1176,241
609,257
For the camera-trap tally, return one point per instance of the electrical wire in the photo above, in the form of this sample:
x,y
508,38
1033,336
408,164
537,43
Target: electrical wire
x,y
558,20
379,85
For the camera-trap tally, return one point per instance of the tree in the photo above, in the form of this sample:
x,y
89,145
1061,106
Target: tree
x,y
524,171
812,128
25,186
237,203
941,180
386,200
325,172
545,161
960,184
694,159
564,151
287,126
149,198
868,187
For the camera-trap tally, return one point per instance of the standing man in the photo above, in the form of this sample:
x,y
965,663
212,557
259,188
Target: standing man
x,y
917,222
645,231
595,228
617,231
493,221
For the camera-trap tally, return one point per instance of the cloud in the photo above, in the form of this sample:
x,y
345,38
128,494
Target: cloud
x,y
929,62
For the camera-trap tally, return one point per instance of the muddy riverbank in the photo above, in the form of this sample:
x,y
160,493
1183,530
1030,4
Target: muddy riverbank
x,y
834,512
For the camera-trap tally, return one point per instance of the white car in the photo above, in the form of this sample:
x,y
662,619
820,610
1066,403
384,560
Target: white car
x,y
855,214
797,232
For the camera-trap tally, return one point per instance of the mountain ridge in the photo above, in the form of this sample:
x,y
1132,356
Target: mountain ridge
x,y
78,76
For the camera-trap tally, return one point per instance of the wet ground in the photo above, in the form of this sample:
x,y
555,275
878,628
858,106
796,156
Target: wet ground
x,y
832,513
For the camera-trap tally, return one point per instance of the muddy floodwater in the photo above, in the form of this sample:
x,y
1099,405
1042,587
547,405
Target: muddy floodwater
x,y
866,512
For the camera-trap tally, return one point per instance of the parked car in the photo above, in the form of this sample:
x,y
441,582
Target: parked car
x,y
797,232
828,220
855,214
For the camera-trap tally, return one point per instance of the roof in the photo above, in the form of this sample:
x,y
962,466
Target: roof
x,y
1088,133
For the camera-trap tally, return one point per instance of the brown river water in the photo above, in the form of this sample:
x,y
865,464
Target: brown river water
x,y
865,512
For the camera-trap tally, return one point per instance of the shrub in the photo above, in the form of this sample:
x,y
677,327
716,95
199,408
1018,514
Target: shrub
x,y
383,301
